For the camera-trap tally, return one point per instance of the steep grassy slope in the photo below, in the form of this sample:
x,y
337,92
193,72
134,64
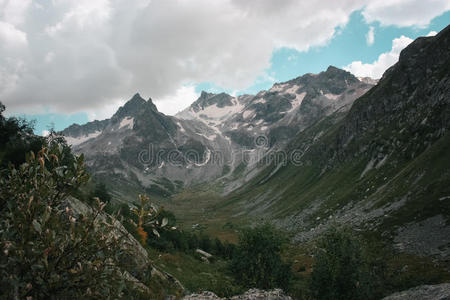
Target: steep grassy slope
x,y
382,166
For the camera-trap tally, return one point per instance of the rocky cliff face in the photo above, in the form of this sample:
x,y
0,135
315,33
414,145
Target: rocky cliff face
x,y
218,136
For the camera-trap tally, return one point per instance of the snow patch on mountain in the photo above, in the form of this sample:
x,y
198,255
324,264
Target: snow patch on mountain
x,y
181,127
73,141
213,114
211,137
332,96
297,101
247,113
126,123
291,90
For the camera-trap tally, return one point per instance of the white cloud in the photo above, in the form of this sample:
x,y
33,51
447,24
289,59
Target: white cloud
x,y
83,55
432,33
183,97
45,132
11,37
14,11
49,57
404,12
370,36
107,109
385,60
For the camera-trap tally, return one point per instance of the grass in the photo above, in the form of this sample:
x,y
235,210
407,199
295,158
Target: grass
x,y
196,275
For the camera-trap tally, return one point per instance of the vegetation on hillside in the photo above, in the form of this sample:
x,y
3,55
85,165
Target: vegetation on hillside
x,y
342,271
49,248
257,261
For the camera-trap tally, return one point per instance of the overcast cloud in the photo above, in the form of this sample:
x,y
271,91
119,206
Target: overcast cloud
x,y
81,55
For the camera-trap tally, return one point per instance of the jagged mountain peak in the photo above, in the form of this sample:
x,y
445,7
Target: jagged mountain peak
x,y
207,99
333,80
334,73
333,69
213,121
133,106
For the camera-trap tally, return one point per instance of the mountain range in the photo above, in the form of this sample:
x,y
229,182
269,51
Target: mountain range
x,y
313,151
217,135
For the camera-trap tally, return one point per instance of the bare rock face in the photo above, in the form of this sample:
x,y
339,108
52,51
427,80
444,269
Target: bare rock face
x,y
252,294
423,292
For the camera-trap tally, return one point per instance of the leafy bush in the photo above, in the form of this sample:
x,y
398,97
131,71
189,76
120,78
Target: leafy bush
x,y
47,250
341,270
257,262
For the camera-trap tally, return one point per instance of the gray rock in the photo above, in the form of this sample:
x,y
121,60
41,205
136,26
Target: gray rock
x,y
423,292
252,294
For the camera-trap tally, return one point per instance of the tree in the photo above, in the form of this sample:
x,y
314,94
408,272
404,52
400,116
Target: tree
x,y
16,139
218,247
340,271
205,243
257,262
229,250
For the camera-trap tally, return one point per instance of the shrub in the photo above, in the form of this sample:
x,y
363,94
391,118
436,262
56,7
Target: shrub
x,y
340,271
47,250
147,219
256,261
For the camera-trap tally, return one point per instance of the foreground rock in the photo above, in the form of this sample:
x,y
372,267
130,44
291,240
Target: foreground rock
x,y
424,292
255,294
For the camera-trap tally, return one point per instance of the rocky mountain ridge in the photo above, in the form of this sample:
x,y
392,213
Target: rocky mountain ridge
x,y
211,139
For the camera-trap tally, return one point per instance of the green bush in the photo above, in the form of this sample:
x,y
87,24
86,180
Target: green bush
x,y
48,251
341,270
256,261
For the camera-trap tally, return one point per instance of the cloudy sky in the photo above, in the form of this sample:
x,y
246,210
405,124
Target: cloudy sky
x,y
66,61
